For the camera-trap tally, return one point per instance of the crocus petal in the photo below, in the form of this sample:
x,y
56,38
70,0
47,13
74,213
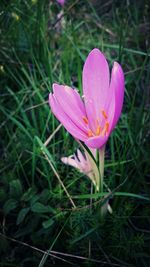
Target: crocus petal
x,y
70,93
81,160
95,84
70,161
65,120
117,85
96,141
61,2
80,156
71,103
83,165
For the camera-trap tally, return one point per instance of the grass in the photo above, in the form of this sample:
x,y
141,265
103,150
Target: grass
x,y
45,218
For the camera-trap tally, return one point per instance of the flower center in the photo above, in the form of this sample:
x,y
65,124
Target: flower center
x,y
99,131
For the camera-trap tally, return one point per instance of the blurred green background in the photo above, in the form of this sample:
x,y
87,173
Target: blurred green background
x,y
41,43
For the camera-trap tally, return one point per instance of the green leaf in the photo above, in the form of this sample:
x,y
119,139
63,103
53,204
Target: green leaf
x,y
83,235
142,53
29,194
126,194
107,165
46,224
23,212
40,208
122,194
15,188
34,199
18,123
45,150
95,178
85,148
45,195
10,205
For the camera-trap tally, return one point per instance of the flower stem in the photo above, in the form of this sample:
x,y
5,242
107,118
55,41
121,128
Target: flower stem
x,y
101,170
101,166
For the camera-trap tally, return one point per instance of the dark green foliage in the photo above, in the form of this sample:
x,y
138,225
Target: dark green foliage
x,y
36,214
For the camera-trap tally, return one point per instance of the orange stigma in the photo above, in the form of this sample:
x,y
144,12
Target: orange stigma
x,y
89,133
104,114
98,130
107,127
85,120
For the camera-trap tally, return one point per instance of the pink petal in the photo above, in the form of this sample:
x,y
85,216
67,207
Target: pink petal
x,y
96,141
95,84
65,120
71,103
80,156
61,2
78,162
72,94
70,161
82,160
117,85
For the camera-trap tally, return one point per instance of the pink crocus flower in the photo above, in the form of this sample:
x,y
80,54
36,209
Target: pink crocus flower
x,y
61,2
79,162
92,119
85,164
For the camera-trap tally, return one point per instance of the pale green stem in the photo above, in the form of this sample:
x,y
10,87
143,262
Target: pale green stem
x,y
101,169
101,166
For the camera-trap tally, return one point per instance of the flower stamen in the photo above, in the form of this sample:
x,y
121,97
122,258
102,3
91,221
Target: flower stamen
x,y
104,114
98,130
85,120
107,127
89,133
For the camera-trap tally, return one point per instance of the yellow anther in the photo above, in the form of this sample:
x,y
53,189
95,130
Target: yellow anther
x,y
104,114
89,133
98,130
107,127
85,120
